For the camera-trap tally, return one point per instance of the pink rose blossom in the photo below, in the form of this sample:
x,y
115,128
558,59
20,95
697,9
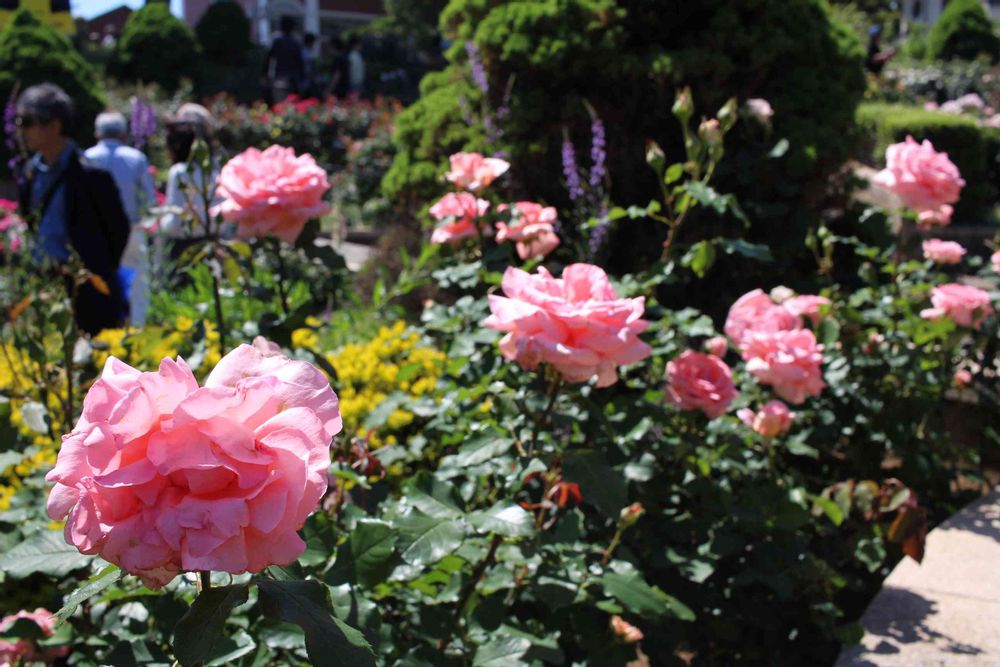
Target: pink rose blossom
x,y
576,323
531,229
940,216
760,109
716,345
162,476
773,419
473,172
965,305
995,261
755,311
24,651
943,252
459,214
922,177
625,631
697,381
809,306
271,192
789,361
963,378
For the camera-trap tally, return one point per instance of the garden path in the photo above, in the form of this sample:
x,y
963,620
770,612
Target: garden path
x,y
945,611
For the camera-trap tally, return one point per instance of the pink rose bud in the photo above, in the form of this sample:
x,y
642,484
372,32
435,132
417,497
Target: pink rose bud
x,y
629,515
625,631
943,252
473,172
995,261
271,192
773,419
966,306
922,178
698,381
781,294
577,323
963,378
161,476
710,133
760,110
716,345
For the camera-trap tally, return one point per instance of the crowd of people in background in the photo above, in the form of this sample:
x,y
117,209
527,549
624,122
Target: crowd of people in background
x,y
292,68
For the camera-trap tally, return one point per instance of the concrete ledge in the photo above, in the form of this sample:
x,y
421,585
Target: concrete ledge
x,y
945,611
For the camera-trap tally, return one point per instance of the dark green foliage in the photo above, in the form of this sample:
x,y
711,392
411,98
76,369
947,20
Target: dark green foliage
x,y
155,47
224,33
963,32
32,53
626,59
974,149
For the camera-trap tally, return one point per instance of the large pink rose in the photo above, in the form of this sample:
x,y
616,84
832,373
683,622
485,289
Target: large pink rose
x,y
697,381
789,361
809,306
576,323
756,312
965,305
773,419
531,229
459,215
943,252
161,475
923,178
473,172
272,192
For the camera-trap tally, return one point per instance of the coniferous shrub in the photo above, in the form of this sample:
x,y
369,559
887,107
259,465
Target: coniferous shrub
x,y
155,47
963,32
32,53
224,33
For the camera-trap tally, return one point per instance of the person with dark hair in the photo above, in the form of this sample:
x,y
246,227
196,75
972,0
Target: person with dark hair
x,y
73,206
284,67
308,65
876,57
340,75
357,66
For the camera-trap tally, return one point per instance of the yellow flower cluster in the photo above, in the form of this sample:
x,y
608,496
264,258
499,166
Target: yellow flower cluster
x,y
368,372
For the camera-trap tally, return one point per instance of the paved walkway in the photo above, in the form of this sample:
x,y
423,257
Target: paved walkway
x,y
945,611
355,254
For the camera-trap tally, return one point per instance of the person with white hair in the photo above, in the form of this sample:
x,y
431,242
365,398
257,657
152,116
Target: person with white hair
x,y
130,170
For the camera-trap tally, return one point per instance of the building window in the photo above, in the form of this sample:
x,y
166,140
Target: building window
x,y
918,9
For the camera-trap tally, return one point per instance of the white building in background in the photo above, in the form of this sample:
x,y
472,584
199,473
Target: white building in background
x,y
326,18
928,11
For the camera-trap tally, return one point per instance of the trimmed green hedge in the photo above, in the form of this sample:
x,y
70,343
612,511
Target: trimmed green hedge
x,y
155,47
974,149
963,31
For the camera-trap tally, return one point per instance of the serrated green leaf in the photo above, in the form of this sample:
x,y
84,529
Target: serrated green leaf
x,y
329,641
432,496
428,540
700,258
501,652
372,543
197,631
96,584
643,599
45,552
504,518
481,450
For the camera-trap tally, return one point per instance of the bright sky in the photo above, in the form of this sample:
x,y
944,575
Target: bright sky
x,y
91,8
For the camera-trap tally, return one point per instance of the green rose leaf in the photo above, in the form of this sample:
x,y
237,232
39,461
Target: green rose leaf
x,y
196,633
600,484
372,544
504,518
643,599
45,552
96,584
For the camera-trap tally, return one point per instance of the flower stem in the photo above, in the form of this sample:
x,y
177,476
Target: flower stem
x,y
220,320
282,294
542,417
204,580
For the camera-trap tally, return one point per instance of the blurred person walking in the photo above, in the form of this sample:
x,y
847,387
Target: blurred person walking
x,y
284,67
130,170
73,206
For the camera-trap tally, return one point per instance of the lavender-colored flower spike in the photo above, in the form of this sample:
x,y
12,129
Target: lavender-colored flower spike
x,y
599,234
476,65
598,155
143,122
570,170
16,162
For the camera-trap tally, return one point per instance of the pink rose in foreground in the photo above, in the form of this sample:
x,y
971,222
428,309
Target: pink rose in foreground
x,y
940,216
943,252
473,172
962,379
24,651
697,381
271,192
716,345
922,177
760,110
756,312
575,323
809,306
789,361
625,631
162,476
459,214
531,229
964,305
995,261
773,419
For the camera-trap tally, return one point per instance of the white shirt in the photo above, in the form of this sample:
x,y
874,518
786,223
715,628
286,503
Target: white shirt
x,y
357,69
184,191
130,170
